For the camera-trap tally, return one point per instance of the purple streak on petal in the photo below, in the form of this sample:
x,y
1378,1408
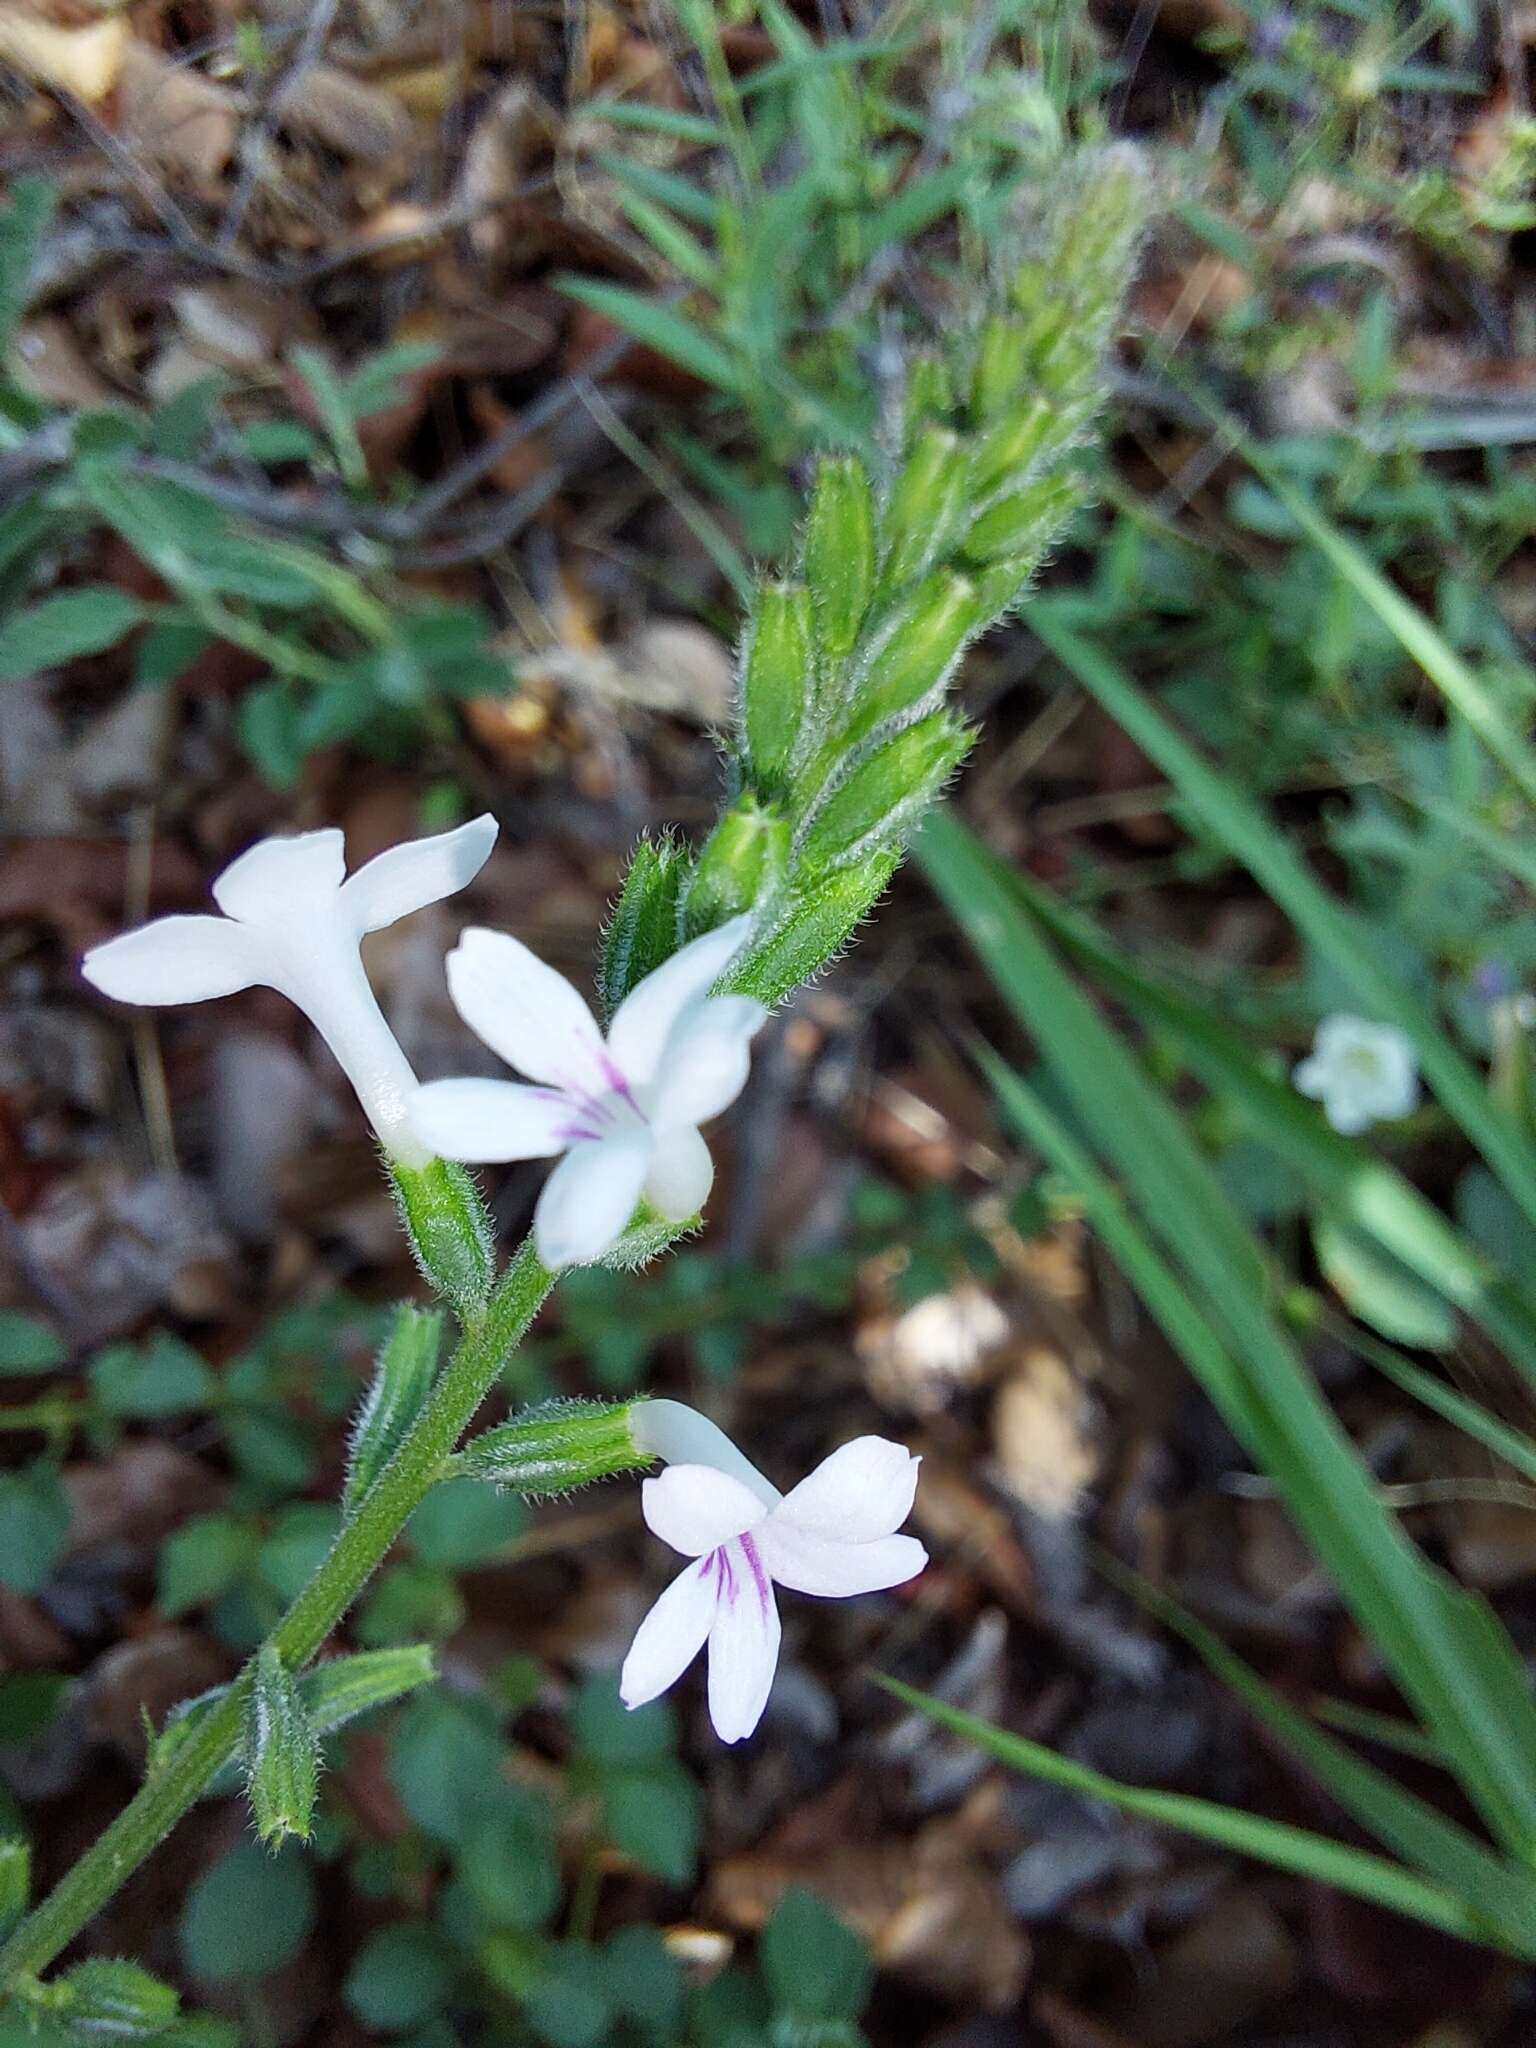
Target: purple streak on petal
x,y
618,1080
760,1577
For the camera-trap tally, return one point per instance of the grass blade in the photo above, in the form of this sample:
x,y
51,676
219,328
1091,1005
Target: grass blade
x,y
1371,1194
1252,1372
1333,930
1274,1842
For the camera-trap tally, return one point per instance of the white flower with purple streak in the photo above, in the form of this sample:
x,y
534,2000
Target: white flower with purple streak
x,y
295,920
834,1534
625,1112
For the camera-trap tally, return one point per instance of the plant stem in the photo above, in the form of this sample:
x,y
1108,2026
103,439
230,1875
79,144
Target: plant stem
x,y
359,1548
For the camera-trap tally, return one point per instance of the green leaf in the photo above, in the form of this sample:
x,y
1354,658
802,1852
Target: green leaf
x,y
445,1753
15,1880
401,1977
608,1732
34,1528
302,1533
336,415
28,1702
815,1967
27,1345
655,1815
568,2006
113,2000
462,1523
342,1688
508,1860
660,328
1420,640
201,1560
646,1981
1268,1841
23,224
162,1377
62,628
247,1915
410,1600
1379,1289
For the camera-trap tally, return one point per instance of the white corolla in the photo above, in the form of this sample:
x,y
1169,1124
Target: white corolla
x,y
624,1111
834,1534
294,920
1362,1073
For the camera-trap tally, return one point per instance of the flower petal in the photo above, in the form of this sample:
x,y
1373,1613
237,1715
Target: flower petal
x,y
480,1121
743,1642
682,1174
277,879
812,1564
175,960
1312,1076
670,1637
704,1063
589,1198
526,1012
422,871
862,1491
647,1014
696,1508
680,1435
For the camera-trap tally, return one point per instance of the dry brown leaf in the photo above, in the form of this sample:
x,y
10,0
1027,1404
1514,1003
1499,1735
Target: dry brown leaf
x,y
174,116
51,365
86,62
354,119
929,1908
1043,1430
962,1520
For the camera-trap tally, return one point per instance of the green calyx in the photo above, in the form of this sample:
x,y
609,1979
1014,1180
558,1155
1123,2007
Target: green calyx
x,y
554,1448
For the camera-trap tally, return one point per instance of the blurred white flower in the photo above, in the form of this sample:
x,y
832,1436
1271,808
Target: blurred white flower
x,y
1362,1073
834,1534
294,921
625,1113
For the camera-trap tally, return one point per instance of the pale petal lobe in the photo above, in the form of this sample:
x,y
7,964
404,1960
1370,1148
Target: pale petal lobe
x,y
589,1198
483,1121
282,878
743,1642
696,1508
863,1490
669,1638
422,871
646,1016
705,1060
526,1012
175,960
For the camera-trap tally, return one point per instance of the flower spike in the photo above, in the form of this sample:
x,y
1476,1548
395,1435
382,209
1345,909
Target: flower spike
x,y
294,920
834,1534
624,1112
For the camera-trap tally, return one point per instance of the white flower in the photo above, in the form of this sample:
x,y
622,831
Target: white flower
x,y
1361,1073
294,921
625,1113
834,1534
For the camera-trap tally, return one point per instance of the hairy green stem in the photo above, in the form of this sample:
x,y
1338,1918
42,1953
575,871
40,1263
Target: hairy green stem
x,y
360,1547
